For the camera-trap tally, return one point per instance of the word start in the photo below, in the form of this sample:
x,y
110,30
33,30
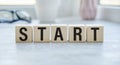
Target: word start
x,y
59,33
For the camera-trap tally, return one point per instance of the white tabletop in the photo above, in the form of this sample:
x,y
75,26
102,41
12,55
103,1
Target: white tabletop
x,y
107,53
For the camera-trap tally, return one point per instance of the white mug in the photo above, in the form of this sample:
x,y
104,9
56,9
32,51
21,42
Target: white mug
x,y
47,10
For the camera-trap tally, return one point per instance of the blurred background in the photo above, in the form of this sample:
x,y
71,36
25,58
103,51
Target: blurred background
x,y
49,10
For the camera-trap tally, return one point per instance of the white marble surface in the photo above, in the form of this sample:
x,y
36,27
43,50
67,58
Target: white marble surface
x,y
107,53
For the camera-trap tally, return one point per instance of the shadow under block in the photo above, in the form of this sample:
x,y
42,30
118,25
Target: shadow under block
x,y
59,33
95,33
24,34
77,33
42,33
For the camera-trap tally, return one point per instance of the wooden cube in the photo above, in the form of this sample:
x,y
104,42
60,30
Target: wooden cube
x,y
24,34
59,33
42,33
95,33
77,33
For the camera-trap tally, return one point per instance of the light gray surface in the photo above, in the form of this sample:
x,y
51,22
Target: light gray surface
x,y
107,53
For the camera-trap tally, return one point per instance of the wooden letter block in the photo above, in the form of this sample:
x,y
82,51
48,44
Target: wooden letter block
x,y
77,33
59,33
95,33
42,34
24,34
